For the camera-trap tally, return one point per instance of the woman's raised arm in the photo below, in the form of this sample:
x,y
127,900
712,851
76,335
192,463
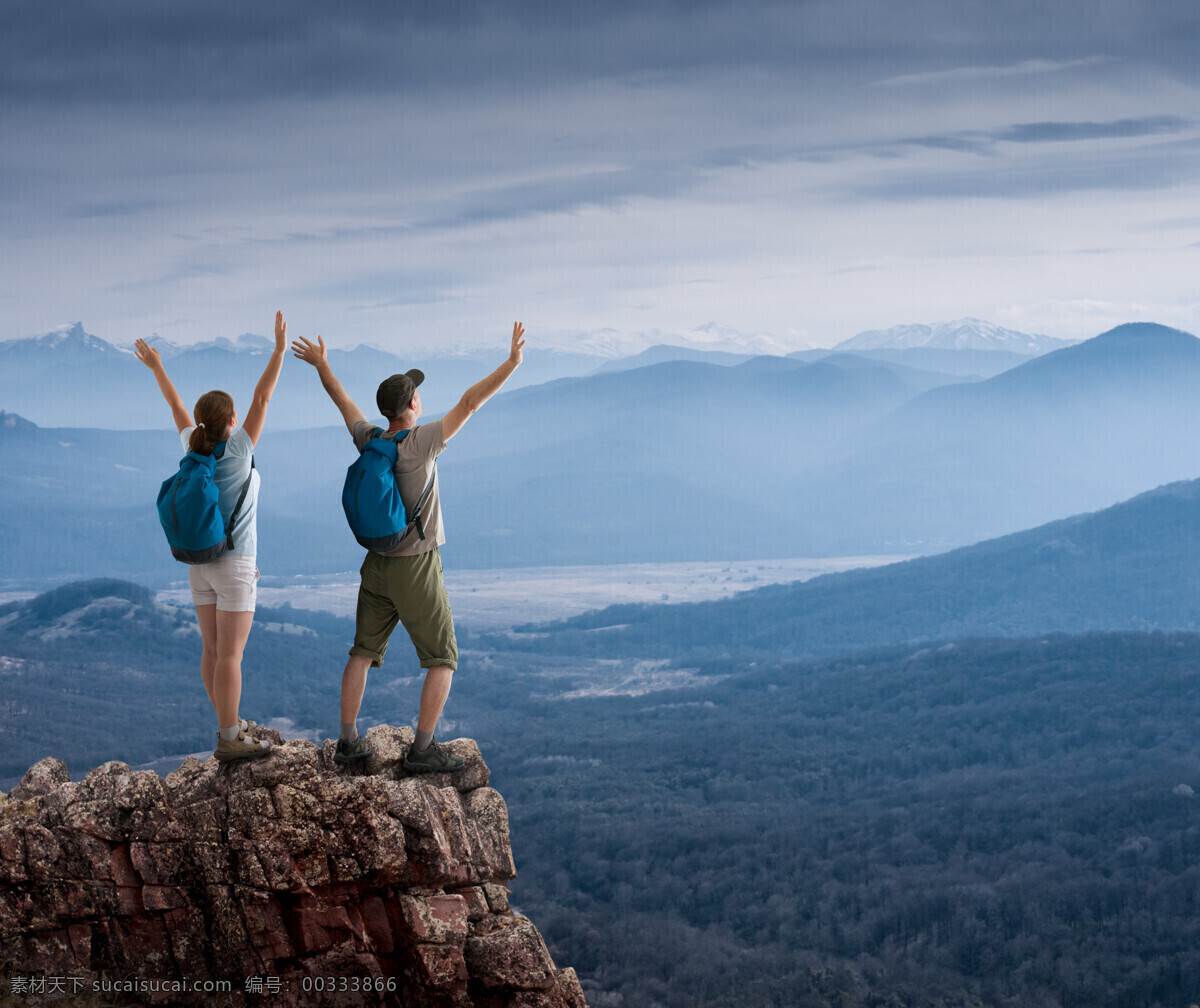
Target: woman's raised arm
x,y
149,356
256,415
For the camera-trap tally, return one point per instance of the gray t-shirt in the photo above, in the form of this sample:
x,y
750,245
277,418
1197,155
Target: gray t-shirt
x,y
414,465
232,469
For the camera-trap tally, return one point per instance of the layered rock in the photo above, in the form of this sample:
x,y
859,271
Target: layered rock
x,y
291,876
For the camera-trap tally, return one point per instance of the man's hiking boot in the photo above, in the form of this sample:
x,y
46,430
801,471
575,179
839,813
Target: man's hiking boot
x,y
243,748
351,752
435,758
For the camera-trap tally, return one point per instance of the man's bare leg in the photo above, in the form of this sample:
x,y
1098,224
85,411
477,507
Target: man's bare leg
x,y
425,755
434,692
354,683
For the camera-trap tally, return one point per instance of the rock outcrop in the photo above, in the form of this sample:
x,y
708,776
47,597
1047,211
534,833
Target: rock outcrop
x,y
295,880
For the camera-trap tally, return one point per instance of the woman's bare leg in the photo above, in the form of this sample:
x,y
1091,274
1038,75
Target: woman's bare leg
x,y
233,629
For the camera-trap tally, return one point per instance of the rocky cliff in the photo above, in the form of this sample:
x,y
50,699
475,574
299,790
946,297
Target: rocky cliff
x,y
290,879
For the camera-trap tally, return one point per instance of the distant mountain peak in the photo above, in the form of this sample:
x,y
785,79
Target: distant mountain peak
x,y
959,334
245,343
65,333
715,336
1132,331
70,338
709,336
11,421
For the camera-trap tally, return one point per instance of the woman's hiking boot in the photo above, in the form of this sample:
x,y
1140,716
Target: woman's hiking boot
x,y
244,747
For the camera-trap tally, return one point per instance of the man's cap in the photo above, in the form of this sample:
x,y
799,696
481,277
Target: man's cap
x,y
395,393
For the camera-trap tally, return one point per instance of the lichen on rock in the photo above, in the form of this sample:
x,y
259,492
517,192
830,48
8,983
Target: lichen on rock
x,y
344,886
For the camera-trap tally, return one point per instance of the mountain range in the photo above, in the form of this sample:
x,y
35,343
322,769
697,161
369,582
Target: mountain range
x,y
961,334
1134,566
68,373
596,470
678,460
70,377
782,457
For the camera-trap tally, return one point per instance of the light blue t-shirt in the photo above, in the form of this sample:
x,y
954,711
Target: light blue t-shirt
x,y
232,468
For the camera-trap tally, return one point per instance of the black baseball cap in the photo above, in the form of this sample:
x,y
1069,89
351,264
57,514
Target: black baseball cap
x,y
395,393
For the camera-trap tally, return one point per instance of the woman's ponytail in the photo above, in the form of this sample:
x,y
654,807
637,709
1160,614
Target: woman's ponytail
x,y
213,413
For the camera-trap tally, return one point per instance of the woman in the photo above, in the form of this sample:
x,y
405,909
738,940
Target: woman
x,y
224,590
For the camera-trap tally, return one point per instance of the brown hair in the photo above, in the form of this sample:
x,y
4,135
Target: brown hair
x,y
213,412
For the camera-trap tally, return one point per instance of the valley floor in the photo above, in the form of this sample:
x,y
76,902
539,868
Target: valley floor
x,y
497,599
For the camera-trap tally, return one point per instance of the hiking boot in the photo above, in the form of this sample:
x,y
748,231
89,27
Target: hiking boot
x,y
435,758
351,752
244,748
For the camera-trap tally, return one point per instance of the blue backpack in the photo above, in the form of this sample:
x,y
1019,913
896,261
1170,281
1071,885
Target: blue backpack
x,y
190,513
371,496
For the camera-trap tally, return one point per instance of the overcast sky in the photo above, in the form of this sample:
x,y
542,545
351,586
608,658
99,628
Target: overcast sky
x,y
415,174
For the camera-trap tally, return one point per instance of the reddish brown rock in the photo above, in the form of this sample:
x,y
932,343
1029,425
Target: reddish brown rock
x,y
513,957
476,902
40,779
346,886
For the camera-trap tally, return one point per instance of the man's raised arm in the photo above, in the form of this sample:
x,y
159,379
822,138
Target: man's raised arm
x,y
482,391
315,354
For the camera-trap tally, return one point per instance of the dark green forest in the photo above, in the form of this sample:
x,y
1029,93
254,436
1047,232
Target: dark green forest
x,y
988,822
1011,819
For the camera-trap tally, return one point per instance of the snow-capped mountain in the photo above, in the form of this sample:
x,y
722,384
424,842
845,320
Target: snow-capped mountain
x,y
961,334
246,343
68,343
610,343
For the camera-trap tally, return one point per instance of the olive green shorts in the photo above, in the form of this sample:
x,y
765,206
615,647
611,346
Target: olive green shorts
x,y
408,590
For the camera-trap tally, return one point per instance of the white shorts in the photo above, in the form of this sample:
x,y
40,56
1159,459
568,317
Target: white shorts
x,y
230,582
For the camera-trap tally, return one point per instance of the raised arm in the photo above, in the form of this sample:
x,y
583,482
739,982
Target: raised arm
x,y
256,415
482,391
315,354
150,357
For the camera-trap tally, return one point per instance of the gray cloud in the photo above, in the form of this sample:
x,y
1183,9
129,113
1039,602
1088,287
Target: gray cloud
x,y
965,142
198,263
564,195
1025,68
433,297
1047,132
984,142
148,51
1168,223
380,289
980,142
225,50
1139,170
114,208
399,133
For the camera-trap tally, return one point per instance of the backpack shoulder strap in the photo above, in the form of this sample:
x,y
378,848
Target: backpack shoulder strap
x,y
372,434
238,506
415,521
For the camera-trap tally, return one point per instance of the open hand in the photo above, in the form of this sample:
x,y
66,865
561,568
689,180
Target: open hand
x,y
518,343
313,353
280,332
144,352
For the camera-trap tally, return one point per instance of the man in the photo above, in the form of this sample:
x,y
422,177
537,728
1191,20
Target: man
x,y
405,583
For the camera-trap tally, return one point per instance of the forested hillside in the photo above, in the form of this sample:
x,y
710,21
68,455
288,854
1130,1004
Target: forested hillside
x,y
1133,566
1006,823
999,823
